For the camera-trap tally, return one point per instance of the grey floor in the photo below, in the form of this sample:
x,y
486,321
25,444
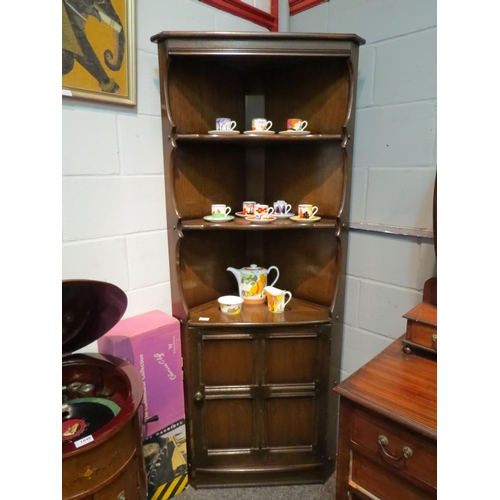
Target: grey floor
x,y
299,492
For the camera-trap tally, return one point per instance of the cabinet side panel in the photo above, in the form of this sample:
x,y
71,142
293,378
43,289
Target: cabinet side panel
x,y
314,89
201,90
307,260
204,174
306,173
204,257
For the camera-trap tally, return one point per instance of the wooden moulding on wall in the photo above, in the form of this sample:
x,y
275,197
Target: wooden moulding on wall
x,y
98,52
258,16
248,12
297,6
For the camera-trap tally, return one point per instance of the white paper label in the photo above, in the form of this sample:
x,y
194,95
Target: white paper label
x,y
202,318
84,441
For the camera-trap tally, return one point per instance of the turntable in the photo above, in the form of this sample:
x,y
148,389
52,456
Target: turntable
x,y
102,418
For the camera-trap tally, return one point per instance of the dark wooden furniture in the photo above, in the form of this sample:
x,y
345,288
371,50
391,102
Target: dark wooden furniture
x,y
258,401
110,464
387,447
421,328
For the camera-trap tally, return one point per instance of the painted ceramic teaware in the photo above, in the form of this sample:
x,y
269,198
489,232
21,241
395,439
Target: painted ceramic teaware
x,y
276,299
251,282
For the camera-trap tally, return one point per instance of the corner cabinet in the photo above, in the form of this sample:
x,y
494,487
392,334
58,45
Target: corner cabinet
x,y
259,405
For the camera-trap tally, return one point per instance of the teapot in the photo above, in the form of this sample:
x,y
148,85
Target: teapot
x,y
251,282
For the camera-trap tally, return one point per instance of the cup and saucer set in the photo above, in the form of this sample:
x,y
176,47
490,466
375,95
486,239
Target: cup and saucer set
x,y
260,126
263,214
295,127
260,213
224,126
220,213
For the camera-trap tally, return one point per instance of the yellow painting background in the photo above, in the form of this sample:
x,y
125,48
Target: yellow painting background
x,y
101,36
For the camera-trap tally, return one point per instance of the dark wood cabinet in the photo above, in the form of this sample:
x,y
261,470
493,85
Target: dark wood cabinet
x,y
258,402
387,446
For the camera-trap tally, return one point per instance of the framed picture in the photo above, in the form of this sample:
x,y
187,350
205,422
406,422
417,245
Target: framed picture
x,y
98,50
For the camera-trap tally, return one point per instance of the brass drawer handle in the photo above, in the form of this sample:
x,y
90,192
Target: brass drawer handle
x,y
434,338
198,396
407,451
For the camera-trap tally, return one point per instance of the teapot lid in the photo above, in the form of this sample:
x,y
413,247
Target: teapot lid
x,y
89,310
254,267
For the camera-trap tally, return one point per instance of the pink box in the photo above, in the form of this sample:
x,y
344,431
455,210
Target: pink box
x,y
152,343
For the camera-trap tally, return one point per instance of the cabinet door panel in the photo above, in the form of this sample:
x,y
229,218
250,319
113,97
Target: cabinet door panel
x,y
289,422
229,424
291,360
227,362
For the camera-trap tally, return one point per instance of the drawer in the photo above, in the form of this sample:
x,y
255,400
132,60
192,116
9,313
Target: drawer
x,y
370,479
420,464
421,334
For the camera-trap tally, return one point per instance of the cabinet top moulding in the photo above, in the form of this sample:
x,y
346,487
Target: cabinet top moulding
x,y
192,38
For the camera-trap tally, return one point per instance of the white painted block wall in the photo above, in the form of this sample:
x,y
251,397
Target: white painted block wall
x,y
394,163
113,198
113,202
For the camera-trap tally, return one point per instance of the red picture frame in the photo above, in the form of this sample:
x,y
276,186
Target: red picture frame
x,y
249,12
257,16
297,6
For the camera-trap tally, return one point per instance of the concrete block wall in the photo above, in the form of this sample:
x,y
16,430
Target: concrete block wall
x,y
394,163
113,199
113,204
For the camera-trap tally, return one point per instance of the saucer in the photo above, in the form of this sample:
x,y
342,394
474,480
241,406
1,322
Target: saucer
x,y
259,132
241,214
283,216
211,218
295,132
223,132
296,218
251,218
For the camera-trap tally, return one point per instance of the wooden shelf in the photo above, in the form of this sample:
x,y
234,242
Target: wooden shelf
x,y
297,312
239,223
249,139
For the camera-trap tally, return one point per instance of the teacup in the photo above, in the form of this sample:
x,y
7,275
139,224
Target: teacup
x,y
224,124
220,211
276,299
296,124
262,211
306,211
261,124
229,304
281,207
248,207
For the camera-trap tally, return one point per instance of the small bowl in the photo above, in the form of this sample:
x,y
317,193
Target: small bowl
x,y
229,304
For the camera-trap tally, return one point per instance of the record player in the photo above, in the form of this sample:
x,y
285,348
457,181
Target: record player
x,y
102,415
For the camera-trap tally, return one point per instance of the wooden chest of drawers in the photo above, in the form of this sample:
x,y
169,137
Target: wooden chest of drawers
x,y
387,446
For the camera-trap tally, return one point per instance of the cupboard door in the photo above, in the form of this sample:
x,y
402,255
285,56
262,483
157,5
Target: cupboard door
x,y
258,392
